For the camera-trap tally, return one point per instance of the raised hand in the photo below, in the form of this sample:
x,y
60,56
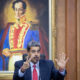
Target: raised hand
x,y
61,61
26,64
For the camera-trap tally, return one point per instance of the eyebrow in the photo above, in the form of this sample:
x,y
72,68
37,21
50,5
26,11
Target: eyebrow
x,y
35,50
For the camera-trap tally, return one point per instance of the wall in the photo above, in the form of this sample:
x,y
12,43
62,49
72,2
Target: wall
x,y
68,34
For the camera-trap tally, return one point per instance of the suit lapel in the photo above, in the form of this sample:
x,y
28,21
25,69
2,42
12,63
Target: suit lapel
x,y
42,70
28,74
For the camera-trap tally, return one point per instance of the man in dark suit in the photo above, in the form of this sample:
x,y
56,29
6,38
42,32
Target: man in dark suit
x,y
35,69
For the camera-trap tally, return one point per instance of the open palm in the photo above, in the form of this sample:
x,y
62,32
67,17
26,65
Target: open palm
x,y
61,61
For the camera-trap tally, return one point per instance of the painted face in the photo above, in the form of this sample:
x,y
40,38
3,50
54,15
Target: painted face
x,y
19,11
35,54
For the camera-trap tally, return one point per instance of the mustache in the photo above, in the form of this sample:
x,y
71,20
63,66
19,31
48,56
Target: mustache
x,y
36,57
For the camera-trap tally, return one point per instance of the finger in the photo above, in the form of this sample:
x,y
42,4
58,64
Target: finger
x,y
26,65
60,56
30,59
67,60
27,58
63,56
56,60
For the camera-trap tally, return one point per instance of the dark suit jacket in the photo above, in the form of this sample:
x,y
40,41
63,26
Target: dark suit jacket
x,y
47,71
18,65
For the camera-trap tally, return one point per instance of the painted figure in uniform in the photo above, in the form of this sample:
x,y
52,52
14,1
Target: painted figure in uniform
x,y
18,36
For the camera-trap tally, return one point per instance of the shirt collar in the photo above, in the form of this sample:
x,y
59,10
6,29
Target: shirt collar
x,y
37,64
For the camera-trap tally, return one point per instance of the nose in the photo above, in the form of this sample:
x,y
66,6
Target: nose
x,y
17,12
36,53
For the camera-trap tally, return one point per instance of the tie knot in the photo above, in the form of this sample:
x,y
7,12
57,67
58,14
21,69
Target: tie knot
x,y
34,66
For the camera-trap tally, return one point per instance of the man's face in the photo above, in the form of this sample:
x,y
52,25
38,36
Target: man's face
x,y
35,54
19,11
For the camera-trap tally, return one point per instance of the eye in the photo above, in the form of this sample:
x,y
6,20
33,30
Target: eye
x,y
38,51
15,9
33,51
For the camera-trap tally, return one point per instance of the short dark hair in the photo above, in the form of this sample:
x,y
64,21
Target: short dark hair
x,y
33,44
17,1
24,56
42,56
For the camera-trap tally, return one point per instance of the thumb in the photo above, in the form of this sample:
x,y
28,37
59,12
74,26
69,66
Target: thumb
x,y
56,60
67,59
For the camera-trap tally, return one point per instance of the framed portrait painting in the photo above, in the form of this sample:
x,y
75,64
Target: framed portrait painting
x,y
21,24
